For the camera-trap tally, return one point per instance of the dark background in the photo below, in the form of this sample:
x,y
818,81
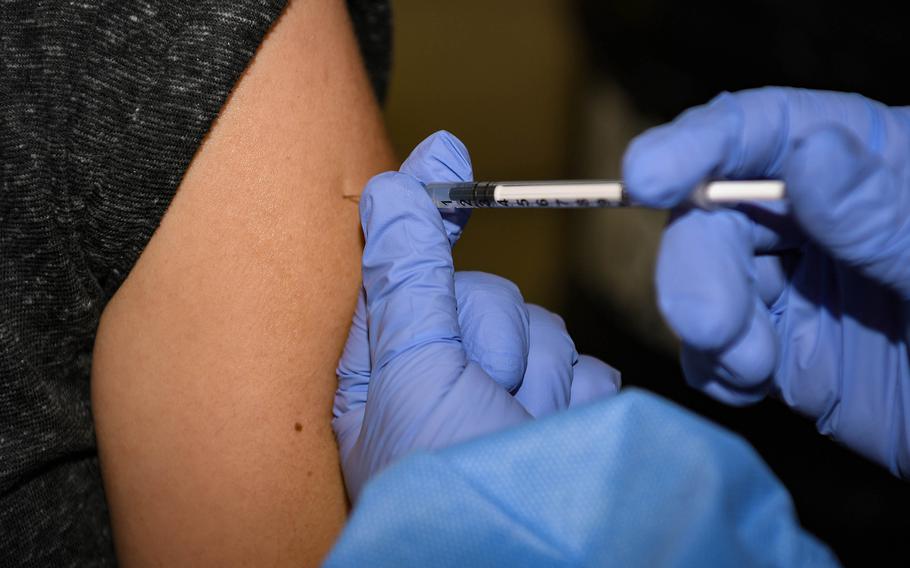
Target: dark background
x,y
548,89
671,55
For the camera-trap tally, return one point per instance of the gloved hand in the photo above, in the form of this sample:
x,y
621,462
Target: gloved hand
x,y
805,299
436,357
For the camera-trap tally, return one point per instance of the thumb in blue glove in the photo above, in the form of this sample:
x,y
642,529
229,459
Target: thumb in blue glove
x,y
806,299
434,357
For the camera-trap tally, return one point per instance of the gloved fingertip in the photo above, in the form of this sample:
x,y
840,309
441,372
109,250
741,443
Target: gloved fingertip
x,y
459,149
544,318
647,170
550,326
593,380
708,324
547,384
663,166
702,372
442,157
752,359
732,396
438,158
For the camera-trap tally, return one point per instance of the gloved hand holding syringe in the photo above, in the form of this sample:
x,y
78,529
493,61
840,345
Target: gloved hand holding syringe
x,y
806,298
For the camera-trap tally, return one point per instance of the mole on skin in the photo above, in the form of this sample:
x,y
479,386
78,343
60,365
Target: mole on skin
x,y
298,426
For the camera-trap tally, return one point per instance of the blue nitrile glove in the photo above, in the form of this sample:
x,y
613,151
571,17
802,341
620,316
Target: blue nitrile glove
x,y
434,357
805,299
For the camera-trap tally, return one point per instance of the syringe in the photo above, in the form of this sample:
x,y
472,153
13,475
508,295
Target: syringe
x,y
586,193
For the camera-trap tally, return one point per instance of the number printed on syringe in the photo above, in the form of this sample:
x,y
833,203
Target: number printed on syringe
x,y
528,203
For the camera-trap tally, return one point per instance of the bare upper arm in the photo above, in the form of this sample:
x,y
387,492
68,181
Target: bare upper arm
x,y
214,363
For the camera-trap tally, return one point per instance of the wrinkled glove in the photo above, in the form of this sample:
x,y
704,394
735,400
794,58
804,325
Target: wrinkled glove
x,y
807,298
435,357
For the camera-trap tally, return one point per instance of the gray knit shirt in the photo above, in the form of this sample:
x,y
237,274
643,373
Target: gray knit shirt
x,y
102,105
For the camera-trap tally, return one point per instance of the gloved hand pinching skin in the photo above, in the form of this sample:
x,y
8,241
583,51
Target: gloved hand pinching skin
x,y
436,357
805,299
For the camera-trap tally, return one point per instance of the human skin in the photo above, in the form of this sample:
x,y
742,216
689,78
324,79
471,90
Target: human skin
x,y
213,370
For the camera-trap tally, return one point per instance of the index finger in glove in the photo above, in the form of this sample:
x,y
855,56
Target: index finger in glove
x,y
408,276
